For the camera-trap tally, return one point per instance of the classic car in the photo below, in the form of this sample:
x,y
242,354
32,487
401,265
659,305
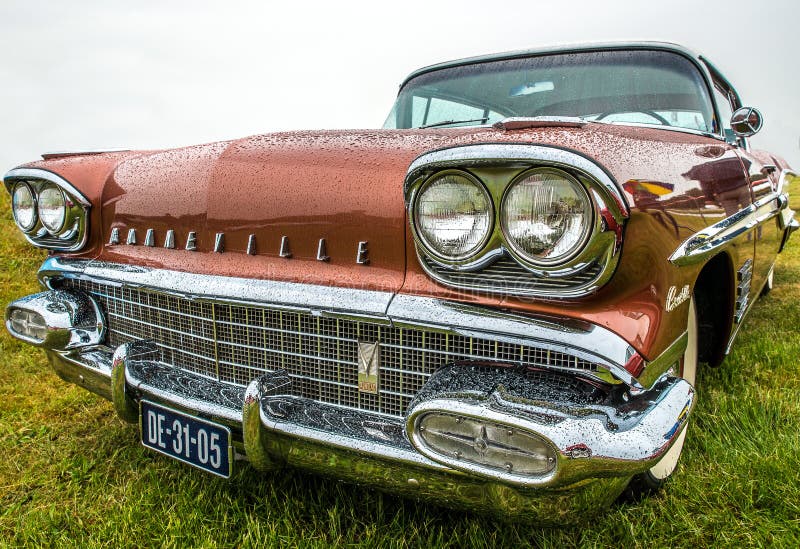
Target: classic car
x,y
496,302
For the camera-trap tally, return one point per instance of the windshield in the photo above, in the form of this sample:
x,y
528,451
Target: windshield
x,y
661,88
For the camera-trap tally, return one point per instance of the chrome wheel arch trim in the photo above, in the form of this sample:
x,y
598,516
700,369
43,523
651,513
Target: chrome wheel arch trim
x,y
577,338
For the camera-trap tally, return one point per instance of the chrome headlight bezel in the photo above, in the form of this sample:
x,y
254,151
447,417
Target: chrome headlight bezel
x,y
73,233
417,224
498,268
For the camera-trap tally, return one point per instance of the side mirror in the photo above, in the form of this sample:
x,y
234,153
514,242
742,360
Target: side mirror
x,y
746,121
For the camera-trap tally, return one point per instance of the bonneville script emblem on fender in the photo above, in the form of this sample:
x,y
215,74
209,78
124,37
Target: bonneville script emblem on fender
x,y
675,298
369,362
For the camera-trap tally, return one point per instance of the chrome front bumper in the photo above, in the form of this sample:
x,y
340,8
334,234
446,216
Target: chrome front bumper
x,y
596,458
598,446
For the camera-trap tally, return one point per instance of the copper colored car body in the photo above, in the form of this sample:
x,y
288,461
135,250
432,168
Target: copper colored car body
x,y
278,286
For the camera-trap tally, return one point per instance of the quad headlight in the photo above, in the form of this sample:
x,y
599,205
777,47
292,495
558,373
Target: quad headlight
x,y
23,206
515,219
48,209
453,215
546,216
52,208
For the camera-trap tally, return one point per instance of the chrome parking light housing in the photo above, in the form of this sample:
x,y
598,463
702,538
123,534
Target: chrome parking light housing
x,y
56,320
496,447
26,324
534,428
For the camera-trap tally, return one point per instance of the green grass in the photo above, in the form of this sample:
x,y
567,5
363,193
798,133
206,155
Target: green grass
x,y
72,473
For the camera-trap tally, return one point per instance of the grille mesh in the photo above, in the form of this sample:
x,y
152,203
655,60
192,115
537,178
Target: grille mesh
x,y
506,276
236,343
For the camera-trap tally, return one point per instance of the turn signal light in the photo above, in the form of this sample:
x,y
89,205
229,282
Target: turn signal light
x,y
27,324
492,445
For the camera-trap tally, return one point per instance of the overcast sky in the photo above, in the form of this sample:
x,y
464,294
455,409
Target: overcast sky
x,y
144,74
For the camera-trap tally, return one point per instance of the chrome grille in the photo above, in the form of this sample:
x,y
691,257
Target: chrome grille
x,y
506,276
236,343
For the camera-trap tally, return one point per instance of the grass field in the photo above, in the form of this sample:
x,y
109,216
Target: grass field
x,y
72,473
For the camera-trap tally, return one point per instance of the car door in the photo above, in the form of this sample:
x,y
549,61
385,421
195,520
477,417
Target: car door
x,y
766,232
727,102
762,181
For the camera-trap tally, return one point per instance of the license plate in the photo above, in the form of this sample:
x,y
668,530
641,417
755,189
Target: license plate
x,y
203,444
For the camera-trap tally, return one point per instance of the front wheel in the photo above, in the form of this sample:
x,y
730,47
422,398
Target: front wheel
x,y
654,479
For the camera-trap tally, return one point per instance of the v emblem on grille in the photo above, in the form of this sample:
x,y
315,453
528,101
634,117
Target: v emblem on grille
x,y
369,363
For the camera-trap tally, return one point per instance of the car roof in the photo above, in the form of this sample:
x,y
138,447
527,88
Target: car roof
x,y
565,48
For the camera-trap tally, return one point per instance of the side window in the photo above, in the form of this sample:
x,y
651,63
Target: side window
x,y
427,111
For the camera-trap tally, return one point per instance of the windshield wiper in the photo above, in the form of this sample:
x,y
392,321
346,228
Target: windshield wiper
x,y
451,122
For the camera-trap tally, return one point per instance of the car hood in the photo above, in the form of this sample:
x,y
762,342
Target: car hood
x,y
290,191
288,206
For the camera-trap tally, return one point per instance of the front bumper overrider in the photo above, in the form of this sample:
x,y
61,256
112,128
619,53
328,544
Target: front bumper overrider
x,y
592,447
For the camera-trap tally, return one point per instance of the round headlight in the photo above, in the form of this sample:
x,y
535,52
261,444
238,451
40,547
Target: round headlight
x,y
453,215
52,208
546,216
23,206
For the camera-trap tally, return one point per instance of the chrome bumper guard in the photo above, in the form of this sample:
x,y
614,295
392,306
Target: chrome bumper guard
x,y
592,444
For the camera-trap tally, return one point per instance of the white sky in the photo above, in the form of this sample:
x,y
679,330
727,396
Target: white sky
x,y
144,74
